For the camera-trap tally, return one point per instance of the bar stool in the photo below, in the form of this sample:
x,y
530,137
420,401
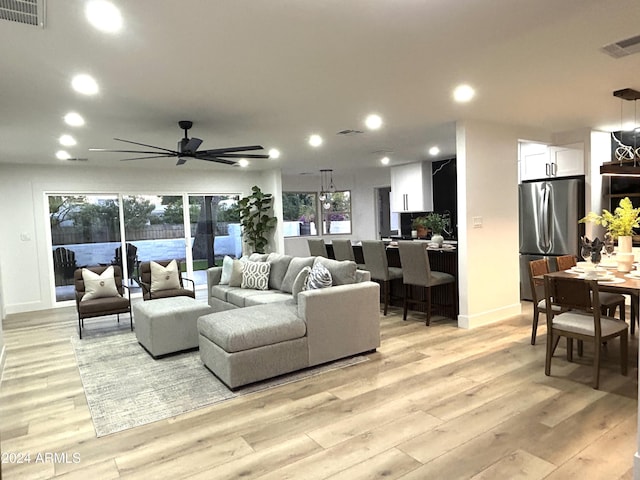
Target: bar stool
x,y
317,247
375,260
416,270
342,250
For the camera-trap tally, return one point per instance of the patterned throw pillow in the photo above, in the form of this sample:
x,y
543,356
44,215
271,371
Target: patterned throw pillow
x,y
255,275
319,277
164,278
99,286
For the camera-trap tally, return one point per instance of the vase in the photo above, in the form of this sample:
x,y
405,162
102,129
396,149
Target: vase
x,y
439,239
624,243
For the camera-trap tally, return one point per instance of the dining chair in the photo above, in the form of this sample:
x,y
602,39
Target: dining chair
x,y
609,302
375,260
416,270
537,268
580,318
317,247
343,250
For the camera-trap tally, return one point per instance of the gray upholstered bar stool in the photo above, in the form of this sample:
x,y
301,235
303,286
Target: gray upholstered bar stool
x,y
375,260
416,270
343,250
317,247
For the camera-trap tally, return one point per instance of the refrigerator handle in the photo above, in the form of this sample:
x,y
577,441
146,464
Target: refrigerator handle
x,y
546,224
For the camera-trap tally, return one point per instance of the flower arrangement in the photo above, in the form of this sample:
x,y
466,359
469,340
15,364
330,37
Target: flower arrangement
x,y
620,223
433,221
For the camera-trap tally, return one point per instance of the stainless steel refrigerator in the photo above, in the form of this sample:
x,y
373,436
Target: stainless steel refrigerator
x,y
549,214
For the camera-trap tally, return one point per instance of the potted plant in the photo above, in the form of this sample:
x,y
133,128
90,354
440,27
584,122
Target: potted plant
x,y
255,219
435,223
619,224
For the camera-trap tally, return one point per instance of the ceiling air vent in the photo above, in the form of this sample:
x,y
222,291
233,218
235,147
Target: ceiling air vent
x,y
28,12
349,132
623,47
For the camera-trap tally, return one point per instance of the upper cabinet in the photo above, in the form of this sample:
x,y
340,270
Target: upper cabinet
x,y
539,161
411,188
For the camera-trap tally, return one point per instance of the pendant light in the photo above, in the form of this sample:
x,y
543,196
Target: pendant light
x,y
326,187
626,161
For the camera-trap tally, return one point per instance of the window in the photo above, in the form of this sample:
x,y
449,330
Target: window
x,y
299,211
336,213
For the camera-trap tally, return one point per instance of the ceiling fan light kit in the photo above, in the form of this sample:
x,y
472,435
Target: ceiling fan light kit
x,y
187,148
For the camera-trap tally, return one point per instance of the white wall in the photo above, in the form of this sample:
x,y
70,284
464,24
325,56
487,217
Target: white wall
x,y
488,192
27,266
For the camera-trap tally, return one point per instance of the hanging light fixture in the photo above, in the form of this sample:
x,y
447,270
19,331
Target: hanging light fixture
x,y
627,157
326,187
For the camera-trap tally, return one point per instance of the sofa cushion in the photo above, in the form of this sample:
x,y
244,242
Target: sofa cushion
x,y
319,277
300,283
220,291
342,272
252,327
279,265
271,296
238,296
296,264
255,275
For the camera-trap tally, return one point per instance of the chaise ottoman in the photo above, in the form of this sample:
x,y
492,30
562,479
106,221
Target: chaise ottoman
x,y
168,325
245,345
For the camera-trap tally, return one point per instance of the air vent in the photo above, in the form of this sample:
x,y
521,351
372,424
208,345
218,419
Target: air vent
x,y
78,159
623,47
28,12
349,132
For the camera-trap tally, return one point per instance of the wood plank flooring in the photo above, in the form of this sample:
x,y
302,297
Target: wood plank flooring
x,y
433,402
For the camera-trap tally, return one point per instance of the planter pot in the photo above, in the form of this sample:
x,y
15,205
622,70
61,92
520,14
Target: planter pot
x,y
625,261
624,244
439,239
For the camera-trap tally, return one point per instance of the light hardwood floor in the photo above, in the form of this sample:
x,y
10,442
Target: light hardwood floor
x,y
433,402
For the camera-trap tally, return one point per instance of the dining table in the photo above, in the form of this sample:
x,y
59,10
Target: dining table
x,y
617,282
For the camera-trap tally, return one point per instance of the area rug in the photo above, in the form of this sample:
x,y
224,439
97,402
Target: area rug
x,y
126,388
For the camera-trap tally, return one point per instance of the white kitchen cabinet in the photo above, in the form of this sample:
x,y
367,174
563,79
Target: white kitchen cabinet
x,y
539,161
411,188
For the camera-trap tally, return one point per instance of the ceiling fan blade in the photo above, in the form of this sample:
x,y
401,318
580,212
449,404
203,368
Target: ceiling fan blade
x,y
145,145
241,155
169,154
218,151
192,145
181,161
213,158
141,158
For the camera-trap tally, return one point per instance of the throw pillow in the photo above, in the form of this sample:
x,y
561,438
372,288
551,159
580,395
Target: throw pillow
x,y
295,265
235,280
99,286
255,275
279,265
227,268
300,283
319,277
164,278
343,272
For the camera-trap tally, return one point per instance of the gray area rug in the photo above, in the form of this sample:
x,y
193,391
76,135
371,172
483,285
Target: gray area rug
x,y
125,387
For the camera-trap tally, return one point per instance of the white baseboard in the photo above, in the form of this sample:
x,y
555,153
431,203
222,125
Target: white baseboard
x,y
490,316
25,307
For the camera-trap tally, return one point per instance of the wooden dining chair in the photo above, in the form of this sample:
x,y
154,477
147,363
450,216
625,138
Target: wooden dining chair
x,y
609,302
573,311
536,269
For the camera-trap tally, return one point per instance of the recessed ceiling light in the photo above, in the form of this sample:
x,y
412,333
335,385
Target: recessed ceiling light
x,y
84,84
373,122
274,153
315,140
62,155
74,119
433,151
67,140
243,162
384,160
463,93
104,16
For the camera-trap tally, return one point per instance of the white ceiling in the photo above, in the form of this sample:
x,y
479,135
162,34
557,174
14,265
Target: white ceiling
x,y
274,71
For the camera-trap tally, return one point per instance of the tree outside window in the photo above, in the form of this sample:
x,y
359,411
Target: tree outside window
x,y
337,218
299,213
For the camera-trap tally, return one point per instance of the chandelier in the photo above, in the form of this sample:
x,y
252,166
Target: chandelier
x,y
326,187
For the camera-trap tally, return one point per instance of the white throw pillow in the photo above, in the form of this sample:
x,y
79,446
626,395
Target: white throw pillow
x,y
99,286
164,278
255,275
227,268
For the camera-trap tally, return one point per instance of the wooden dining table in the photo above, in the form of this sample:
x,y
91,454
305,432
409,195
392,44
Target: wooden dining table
x,y
626,285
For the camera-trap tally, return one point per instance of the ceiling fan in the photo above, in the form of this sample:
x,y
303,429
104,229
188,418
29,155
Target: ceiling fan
x,y
188,148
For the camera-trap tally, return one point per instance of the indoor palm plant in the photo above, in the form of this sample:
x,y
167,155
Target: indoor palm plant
x,y
619,224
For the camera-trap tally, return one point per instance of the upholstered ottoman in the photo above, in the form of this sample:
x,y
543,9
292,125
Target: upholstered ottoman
x,y
168,325
249,344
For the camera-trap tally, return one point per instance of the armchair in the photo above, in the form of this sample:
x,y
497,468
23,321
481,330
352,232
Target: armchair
x,y
150,293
